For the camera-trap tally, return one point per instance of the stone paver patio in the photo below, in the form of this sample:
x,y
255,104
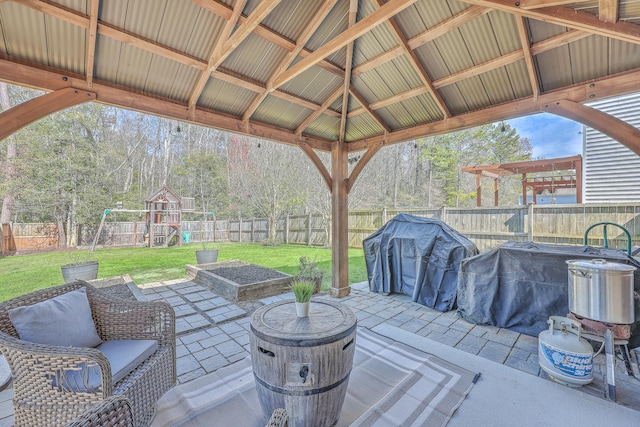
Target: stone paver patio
x,y
213,332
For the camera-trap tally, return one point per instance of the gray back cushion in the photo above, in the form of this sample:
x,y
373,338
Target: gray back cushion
x,y
63,321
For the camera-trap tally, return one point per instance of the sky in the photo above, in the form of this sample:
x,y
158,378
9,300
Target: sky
x,y
551,136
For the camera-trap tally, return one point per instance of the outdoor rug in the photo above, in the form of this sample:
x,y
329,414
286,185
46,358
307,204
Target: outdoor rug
x,y
391,384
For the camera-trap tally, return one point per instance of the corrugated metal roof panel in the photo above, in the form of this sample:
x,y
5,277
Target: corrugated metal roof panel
x,y
255,58
316,85
335,23
30,45
539,30
281,113
629,11
196,40
144,17
290,17
362,126
504,26
81,6
133,67
589,58
477,42
497,86
422,109
374,42
434,64
107,59
225,97
621,55
519,79
454,51
423,15
554,67
474,93
381,84
455,100
325,127
66,45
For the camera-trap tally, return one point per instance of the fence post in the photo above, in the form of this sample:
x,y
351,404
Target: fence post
x,y
286,230
309,230
240,230
443,214
253,229
384,216
135,232
530,222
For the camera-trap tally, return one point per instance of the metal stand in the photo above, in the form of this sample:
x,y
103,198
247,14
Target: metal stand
x,y
609,347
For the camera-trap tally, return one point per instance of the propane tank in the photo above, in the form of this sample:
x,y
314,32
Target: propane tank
x,y
567,358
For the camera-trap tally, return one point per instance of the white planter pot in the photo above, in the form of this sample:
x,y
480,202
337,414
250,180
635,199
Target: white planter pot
x,y
302,309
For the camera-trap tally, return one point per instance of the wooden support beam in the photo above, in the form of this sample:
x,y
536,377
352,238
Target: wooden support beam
x,y
308,150
496,189
608,10
324,107
91,44
528,59
28,112
368,155
353,11
537,4
478,190
621,131
369,110
339,222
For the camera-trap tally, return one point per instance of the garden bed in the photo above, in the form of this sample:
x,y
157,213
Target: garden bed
x,y
240,281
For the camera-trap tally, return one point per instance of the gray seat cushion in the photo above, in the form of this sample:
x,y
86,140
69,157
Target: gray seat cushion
x,y
64,320
124,356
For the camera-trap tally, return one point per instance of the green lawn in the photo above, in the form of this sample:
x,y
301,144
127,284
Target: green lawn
x,y
22,274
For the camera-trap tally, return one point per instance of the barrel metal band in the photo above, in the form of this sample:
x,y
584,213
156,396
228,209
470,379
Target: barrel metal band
x,y
308,392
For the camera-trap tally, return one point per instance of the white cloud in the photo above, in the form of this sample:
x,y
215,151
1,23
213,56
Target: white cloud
x,y
551,136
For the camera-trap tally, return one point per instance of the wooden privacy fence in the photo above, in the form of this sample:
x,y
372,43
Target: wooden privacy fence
x,y
488,228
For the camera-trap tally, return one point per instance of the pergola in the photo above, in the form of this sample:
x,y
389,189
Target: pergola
x,y
537,184
326,75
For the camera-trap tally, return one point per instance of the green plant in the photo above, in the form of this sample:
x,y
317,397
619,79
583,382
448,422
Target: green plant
x,y
308,269
302,291
78,257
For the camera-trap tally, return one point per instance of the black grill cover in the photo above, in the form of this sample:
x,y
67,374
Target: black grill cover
x,y
419,257
519,285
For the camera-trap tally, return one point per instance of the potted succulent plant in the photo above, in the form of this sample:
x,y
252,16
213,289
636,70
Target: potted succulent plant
x,y
302,292
81,267
308,271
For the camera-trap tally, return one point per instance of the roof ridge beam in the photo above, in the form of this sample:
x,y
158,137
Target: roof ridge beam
x,y
310,29
93,35
229,42
374,19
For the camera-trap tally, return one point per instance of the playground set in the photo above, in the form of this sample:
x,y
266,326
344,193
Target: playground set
x,y
164,219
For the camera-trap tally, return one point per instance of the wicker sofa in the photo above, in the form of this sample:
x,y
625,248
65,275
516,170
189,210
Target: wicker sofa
x,y
40,371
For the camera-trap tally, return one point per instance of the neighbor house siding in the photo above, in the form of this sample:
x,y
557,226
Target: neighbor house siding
x,y
611,170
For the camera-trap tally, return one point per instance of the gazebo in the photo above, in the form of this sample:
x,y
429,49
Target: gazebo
x,y
326,75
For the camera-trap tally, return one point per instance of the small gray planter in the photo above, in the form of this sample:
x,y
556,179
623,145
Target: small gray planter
x,y
207,256
86,270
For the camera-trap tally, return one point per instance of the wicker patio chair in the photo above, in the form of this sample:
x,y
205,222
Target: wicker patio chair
x,y
38,402
279,418
114,411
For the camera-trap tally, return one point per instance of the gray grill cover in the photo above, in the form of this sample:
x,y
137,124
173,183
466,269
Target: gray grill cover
x,y
519,285
419,257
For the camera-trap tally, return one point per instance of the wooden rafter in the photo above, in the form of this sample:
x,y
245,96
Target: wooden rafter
x,y
324,107
528,58
608,10
229,42
492,64
558,15
353,11
421,39
537,4
374,19
415,63
311,28
93,35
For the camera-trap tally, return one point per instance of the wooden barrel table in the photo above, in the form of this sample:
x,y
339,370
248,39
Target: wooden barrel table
x,y
303,364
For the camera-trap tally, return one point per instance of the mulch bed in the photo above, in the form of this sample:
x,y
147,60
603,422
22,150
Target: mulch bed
x,y
247,274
